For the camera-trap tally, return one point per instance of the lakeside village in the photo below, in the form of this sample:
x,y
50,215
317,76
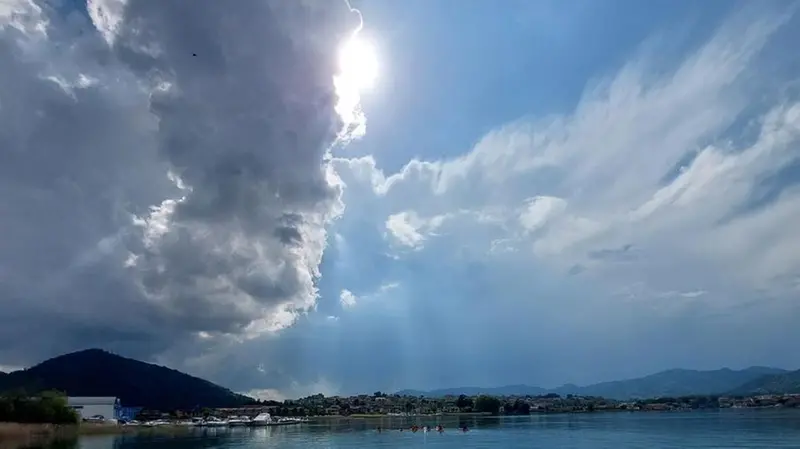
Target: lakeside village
x,y
380,404
52,407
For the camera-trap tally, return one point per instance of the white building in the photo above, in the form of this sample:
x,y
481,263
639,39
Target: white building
x,y
87,407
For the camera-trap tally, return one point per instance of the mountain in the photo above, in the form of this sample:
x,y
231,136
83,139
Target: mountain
x,y
95,372
675,382
787,382
474,391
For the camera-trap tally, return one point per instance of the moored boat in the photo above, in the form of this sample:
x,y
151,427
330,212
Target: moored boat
x,y
261,420
238,421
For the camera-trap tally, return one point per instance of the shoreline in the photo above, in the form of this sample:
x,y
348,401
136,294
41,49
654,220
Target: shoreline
x,y
30,433
16,432
378,415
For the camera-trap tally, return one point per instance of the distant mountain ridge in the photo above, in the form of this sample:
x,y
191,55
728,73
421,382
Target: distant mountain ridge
x,y
780,383
94,372
506,390
674,382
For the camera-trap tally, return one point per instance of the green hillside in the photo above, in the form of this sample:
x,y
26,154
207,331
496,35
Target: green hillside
x,y
788,382
95,372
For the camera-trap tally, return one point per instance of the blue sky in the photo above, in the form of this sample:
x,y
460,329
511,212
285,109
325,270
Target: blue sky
x,y
456,313
545,192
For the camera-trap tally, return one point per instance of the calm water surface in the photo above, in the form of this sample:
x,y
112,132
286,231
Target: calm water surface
x,y
720,429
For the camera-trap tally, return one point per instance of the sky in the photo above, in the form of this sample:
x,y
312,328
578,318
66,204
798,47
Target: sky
x,y
291,198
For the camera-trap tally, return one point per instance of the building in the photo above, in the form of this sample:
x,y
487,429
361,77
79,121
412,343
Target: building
x,y
87,407
128,413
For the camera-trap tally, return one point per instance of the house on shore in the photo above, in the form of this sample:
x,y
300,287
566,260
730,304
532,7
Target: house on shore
x,y
87,407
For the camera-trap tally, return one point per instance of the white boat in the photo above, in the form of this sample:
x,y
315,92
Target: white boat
x,y
238,421
214,422
286,420
156,423
262,419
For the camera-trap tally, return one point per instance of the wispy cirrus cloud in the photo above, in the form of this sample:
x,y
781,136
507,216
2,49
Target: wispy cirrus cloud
x,y
600,184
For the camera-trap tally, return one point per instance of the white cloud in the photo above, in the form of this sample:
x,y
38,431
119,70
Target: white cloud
x,y
400,227
266,394
295,391
582,192
538,210
410,230
347,299
388,287
9,368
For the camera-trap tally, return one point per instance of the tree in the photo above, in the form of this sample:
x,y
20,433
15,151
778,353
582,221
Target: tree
x,y
463,402
521,408
487,404
50,407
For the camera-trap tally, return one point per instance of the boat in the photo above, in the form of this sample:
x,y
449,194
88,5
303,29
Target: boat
x,y
213,422
283,421
238,421
261,420
156,423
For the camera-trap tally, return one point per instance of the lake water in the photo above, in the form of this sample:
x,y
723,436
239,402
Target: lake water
x,y
719,429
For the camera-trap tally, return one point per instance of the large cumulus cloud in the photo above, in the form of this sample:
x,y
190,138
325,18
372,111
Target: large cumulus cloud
x,y
163,174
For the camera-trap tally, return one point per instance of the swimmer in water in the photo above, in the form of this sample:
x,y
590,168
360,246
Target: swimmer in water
x,y
465,429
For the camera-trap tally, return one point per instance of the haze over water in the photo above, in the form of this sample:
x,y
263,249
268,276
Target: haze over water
x,y
718,429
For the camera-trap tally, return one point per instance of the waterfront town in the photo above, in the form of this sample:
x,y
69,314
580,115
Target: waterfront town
x,y
384,404
380,404
54,408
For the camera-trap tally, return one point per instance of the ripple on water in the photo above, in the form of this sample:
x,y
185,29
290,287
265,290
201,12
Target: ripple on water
x,y
696,430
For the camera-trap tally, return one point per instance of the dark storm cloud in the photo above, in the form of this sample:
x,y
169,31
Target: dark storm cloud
x,y
168,185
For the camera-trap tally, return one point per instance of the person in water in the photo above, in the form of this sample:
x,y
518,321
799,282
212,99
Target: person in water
x,y
465,429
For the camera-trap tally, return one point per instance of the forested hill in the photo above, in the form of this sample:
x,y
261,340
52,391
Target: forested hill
x,y
788,382
95,372
672,383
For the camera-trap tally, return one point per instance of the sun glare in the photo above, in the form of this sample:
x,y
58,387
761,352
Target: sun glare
x,y
357,72
358,64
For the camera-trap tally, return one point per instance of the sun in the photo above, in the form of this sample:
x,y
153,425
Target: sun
x,y
358,63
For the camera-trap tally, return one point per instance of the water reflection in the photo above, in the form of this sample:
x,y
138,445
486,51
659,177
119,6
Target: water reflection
x,y
71,443
702,429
